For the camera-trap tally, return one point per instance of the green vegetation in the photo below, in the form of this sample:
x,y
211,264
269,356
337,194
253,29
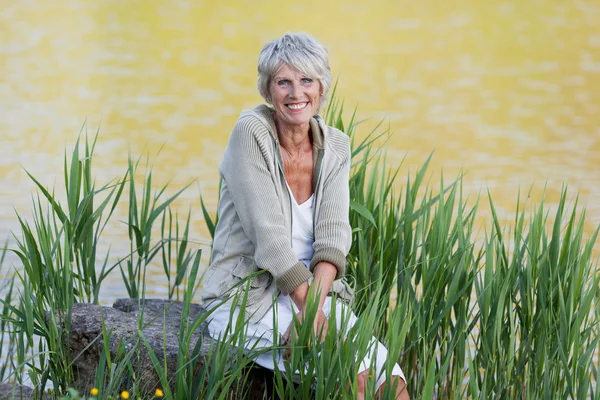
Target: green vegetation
x,y
510,312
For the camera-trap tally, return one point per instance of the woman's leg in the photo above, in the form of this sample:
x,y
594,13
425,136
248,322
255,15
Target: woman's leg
x,y
397,382
380,353
258,335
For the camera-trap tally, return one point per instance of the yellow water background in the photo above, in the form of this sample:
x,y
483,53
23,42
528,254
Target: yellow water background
x,y
506,91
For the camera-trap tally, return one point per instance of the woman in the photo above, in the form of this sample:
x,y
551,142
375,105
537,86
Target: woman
x,y
284,203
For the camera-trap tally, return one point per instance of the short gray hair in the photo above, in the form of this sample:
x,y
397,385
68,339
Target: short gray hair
x,y
301,52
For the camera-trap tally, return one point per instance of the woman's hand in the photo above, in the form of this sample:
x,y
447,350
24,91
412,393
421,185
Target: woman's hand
x,y
320,326
324,274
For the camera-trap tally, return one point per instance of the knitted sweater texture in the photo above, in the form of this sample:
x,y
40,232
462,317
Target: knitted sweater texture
x,y
253,233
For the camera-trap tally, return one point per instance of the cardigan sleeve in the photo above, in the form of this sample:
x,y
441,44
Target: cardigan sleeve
x,y
333,234
245,168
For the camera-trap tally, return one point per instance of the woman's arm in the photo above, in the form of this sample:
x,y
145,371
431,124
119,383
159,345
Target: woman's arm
x,y
333,237
333,234
323,279
246,170
324,275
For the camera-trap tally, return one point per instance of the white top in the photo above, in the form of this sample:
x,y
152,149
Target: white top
x,y
302,228
261,334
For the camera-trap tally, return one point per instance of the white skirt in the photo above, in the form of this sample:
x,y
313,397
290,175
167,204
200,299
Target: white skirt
x,y
260,335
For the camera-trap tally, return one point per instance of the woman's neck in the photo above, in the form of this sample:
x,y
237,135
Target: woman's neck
x,y
294,139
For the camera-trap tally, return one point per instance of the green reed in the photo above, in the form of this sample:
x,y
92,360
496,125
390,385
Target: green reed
x,y
79,224
58,251
175,246
508,312
537,295
7,333
144,211
320,369
532,329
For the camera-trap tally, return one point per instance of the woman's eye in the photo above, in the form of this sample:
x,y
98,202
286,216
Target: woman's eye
x,y
306,80
283,82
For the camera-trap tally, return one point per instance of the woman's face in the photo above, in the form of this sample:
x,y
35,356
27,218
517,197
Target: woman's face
x,y
295,97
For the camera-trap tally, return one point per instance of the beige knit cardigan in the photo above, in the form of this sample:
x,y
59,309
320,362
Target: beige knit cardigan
x,y
253,233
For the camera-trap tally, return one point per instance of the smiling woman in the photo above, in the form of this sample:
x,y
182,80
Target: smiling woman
x,y
295,97
283,213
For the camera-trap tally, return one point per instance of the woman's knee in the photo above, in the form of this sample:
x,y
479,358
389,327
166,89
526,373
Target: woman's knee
x,y
361,381
398,386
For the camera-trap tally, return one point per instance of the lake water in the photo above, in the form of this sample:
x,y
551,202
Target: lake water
x,y
506,91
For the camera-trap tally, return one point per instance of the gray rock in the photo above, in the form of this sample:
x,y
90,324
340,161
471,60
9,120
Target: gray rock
x,y
159,324
159,321
10,391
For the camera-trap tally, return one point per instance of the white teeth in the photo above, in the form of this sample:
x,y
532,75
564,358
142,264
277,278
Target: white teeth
x,y
297,106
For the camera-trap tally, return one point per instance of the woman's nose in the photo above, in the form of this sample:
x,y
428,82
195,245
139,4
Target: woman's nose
x,y
293,90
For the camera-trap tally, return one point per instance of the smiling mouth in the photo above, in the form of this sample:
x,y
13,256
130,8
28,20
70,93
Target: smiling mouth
x,y
296,106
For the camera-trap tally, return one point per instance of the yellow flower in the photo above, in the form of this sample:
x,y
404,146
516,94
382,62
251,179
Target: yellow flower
x,y
125,394
94,392
159,393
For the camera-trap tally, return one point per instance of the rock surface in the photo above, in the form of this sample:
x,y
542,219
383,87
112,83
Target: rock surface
x,y
160,326
9,391
121,322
